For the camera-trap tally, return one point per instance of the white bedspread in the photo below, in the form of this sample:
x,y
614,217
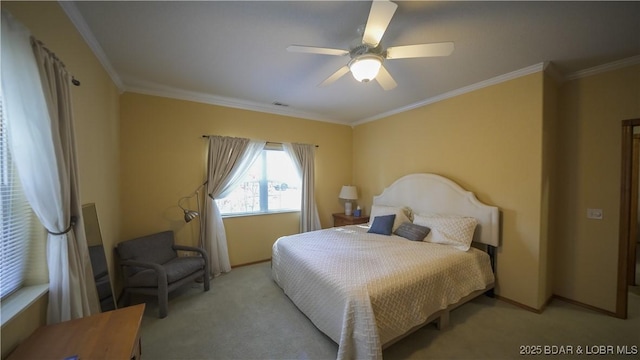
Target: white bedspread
x,y
364,290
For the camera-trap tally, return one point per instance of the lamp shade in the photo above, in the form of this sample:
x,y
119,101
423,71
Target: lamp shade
x,y
190,215
365,68
348,192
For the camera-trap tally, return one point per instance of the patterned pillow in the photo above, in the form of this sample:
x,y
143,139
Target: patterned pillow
x,y
456,231
413,232
382,225
401,214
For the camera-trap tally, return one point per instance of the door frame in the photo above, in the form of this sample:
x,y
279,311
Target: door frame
x,y
633,214
626,222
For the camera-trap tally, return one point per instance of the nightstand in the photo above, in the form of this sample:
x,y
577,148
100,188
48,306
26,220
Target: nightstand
x,y
340,219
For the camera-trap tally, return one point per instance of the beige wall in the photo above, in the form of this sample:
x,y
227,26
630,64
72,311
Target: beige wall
x,y
490,142
20,328
550,181
95,110
163,159
591,111
543,153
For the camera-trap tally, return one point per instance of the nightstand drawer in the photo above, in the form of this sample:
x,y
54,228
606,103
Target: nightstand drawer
x,y
340,219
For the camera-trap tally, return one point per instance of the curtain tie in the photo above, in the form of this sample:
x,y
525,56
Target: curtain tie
x,y
72,223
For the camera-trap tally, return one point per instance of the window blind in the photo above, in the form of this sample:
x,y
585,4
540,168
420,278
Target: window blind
x,y
16,219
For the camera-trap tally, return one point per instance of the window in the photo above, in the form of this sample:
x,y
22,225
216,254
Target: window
x,y
17,221
272,184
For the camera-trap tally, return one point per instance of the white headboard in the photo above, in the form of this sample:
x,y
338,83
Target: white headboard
x,y
430,193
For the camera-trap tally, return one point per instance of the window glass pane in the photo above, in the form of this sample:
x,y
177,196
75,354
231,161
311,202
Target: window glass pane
x,y
284,182
245,198
272,184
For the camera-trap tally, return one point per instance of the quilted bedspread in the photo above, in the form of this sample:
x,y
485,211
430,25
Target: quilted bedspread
x,y
363,290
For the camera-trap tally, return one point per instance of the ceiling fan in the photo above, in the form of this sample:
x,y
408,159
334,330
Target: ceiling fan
x,y
368,55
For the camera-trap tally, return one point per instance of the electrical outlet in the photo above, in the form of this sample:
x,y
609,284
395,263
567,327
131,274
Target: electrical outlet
x,y
594,214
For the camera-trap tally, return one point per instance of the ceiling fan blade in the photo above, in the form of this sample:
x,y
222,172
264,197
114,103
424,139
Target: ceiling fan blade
x,y
379,17
385,80
420,50
335,76
316,50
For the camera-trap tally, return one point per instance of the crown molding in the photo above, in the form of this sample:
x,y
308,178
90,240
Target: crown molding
x,y
634,60
78,21
548,67
463,90
146,88
552,70
76,18
153,89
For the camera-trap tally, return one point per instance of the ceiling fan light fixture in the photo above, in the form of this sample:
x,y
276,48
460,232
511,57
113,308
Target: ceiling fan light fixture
x,y
365,68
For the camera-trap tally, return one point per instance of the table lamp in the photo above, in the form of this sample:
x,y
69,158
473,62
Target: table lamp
x,y
348,193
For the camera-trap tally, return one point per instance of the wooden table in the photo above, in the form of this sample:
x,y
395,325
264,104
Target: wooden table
x,y
109,335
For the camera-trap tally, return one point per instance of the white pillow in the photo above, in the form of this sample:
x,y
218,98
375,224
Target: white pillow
x,y
456,231
379,210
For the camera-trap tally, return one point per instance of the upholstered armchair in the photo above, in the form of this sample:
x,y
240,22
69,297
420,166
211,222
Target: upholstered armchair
x,y
151,266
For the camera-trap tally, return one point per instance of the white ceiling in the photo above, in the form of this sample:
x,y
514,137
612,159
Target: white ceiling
x,y
233,53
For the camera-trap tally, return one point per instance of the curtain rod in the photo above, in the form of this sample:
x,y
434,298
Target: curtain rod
x,y
269,142
74,81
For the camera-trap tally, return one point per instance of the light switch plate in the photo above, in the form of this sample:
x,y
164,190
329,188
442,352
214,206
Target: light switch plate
x,y
594,214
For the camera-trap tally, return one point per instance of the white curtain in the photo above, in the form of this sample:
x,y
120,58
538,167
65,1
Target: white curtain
x,y
36,96
228,161
303,156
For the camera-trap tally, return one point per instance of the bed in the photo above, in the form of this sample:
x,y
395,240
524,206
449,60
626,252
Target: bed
x,y
368,290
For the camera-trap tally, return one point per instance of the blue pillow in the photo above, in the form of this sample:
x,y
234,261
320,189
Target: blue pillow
x,y
382,225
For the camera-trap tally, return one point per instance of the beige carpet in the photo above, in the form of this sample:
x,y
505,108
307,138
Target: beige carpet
x,y
246,315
